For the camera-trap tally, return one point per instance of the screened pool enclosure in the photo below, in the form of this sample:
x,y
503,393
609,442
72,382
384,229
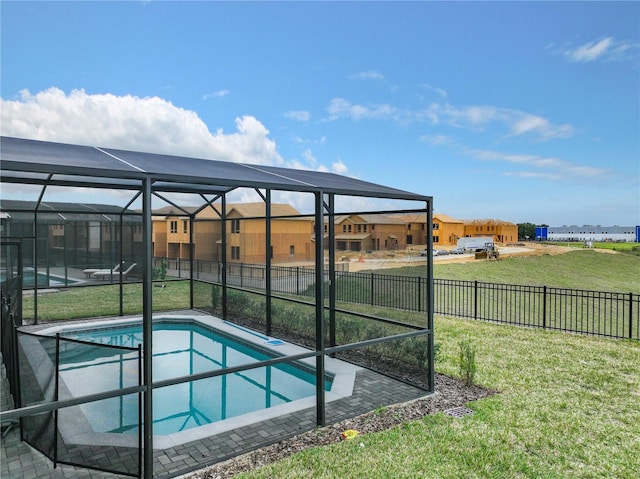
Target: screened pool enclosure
x,y
69,240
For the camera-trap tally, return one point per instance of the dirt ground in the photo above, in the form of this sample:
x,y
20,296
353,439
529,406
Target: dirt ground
x,y
397,259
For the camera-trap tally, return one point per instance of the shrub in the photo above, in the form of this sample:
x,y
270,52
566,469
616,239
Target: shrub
x,y
216,297
467,362
160,272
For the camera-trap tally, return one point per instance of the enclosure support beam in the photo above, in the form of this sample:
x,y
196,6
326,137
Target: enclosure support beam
x,y
332,270
223,255
120,256
147,325
192,250
319,256
269,246
430,302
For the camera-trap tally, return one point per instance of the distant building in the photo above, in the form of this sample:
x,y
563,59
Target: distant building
x,y
500,231
369,232
588,233
447,230
245,232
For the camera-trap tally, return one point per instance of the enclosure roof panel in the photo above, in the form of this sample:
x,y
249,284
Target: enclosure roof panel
x,y
86,164
331,182
45,207
48,157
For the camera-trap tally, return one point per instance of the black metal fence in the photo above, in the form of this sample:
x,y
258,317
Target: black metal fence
x,y
601,313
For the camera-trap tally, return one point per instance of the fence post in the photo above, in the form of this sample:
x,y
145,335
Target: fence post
x,y
630,315
371,289
297,280
475,299
544,307
56,393
419,293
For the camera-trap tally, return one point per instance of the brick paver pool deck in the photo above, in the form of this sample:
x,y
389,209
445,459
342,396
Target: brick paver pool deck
x,y
371,390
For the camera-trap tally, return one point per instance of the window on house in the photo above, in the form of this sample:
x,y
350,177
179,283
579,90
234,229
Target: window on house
x,y
235,226
436,239
349,228
326,228
365,228
185,226
235,252
344,228
173,225
359,228
409,239
292,251
409,226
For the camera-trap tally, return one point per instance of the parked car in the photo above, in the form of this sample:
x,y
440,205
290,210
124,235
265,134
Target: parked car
x,y
436,252
457,251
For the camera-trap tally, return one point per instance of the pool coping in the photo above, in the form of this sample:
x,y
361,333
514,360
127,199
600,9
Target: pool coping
x,y
344,375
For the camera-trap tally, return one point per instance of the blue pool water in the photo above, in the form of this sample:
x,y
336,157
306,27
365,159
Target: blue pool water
x,y
44,280
179,349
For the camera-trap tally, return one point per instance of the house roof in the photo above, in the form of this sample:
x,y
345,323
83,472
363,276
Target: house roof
x,y
47,163
446,218
488,221
250,210
378,219
170,210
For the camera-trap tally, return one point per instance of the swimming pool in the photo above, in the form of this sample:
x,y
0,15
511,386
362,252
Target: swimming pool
x,y
184,346
44,280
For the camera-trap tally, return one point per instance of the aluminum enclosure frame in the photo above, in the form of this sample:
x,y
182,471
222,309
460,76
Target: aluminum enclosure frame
x,y
32,162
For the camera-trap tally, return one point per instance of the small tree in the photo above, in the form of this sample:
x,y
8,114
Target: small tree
x,y
467,364
160,272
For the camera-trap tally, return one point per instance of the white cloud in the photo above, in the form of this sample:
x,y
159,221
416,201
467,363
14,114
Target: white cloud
x,y
589,51
342,108
216,94
298,115
524,123
145,124
368,75
436,140
127,122
545,167
474,117
518,123
339,167
439,91
604,49
308,156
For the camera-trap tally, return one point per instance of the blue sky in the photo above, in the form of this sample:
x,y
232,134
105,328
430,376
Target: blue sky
x,y
520,111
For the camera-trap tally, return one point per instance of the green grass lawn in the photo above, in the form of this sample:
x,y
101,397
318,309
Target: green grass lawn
x,y
580,269
625,247
569,406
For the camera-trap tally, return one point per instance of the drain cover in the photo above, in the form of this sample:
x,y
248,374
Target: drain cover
x,y
459,411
